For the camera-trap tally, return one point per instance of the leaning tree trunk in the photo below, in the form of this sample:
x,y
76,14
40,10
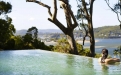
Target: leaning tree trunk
x,y
70,25
71,40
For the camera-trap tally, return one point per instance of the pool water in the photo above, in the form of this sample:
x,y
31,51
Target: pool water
x,y
39,62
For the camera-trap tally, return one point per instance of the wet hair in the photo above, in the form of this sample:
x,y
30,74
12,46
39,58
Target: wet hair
x,y
105,55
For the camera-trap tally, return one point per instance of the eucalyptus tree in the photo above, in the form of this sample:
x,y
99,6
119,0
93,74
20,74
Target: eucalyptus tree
x,y
6,27
84,16
116,8
5,7
33,31
70,20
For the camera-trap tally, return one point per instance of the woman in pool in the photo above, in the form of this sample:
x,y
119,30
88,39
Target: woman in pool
x,y
106,60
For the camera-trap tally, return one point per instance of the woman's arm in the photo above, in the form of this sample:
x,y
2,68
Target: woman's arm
x,y
116,59
112,60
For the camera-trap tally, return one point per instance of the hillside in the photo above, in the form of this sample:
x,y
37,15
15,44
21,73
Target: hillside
x,y
40,31
107,32
100,32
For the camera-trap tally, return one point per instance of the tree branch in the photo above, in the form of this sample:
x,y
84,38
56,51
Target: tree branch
x,y
84,37
44,5
86,34
113,11
91,7
73,18
85,8
65,6
55,10
58,24
30,0
53,16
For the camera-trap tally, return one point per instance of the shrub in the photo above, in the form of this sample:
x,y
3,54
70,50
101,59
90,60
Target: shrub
x,y
62,46
117,51
85,52
97,55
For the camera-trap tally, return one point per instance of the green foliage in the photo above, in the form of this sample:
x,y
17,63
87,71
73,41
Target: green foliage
x,y
28,41
10,44
62,46
27,38
6,27
117,6
85,52
5,7
117,51
19,43
33,31
97,55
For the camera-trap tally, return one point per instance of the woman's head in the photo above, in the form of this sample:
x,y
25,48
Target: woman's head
x,y
104,54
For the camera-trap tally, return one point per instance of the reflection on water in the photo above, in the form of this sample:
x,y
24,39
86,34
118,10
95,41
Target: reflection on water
x,y
38,62
104,69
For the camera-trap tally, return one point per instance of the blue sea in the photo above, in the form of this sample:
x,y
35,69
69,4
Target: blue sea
x,y
110,44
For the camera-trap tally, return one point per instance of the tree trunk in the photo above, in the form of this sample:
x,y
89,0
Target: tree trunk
x,y
88,15
92,40
91,32
71,40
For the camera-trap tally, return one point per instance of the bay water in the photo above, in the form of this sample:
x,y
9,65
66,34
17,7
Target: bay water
x,y
110,44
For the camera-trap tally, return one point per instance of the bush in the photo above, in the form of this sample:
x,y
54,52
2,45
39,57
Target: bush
x,y
117,51
62,46
97,55
85,52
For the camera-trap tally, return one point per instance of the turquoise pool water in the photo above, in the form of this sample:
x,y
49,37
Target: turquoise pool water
x,y
39,62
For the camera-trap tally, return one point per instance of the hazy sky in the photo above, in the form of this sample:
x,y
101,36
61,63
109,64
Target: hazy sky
x,y
28,14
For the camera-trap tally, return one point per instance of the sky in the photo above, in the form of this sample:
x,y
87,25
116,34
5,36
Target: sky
x,y
27,14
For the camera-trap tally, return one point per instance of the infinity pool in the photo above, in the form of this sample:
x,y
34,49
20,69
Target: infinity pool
x,y
39,62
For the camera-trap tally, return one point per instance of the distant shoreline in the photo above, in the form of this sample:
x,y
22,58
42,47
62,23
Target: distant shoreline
x,y
86,41
79,41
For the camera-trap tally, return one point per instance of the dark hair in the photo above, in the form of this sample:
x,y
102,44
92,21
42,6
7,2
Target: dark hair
x,y
105,55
